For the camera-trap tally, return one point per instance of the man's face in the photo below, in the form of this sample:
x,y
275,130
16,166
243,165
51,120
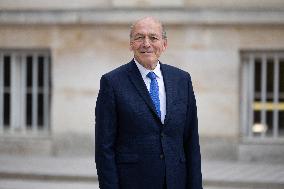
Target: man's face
x,y
147,42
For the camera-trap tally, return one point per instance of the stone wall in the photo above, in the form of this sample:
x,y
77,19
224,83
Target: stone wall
x,y
85,46
81,54
91,4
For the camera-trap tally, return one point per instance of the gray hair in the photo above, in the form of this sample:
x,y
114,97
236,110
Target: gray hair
x,y
164,33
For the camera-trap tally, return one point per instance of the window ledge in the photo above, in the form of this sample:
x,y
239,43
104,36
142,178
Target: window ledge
x,y
260,141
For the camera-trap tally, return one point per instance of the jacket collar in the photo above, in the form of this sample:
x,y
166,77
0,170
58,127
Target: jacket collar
x,y
136,79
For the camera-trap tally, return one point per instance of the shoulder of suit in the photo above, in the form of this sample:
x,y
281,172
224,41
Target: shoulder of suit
x,y
117,72
175,70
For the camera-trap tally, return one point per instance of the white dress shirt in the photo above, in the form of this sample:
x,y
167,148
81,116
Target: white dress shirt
x,y
162,92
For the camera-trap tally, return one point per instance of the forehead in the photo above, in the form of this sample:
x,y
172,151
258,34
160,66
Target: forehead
x,y
147,27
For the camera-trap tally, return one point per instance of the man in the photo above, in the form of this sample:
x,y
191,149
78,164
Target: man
x,y
146,120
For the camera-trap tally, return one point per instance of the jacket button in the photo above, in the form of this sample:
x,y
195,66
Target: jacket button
x,y
162,156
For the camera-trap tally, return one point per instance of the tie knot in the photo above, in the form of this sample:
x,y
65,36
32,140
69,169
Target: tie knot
x,y
151,75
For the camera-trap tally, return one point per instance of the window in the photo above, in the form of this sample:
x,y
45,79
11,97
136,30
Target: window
x,y
263,94
24,91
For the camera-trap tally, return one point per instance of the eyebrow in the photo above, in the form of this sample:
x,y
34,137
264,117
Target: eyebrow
x,y
151,34
138,34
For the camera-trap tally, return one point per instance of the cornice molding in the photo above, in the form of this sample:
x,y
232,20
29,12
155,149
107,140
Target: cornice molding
x,y
176,16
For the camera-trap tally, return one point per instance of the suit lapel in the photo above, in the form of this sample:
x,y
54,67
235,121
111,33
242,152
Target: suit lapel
x,y
169,87
139,84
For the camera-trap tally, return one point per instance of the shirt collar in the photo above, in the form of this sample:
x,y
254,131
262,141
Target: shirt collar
x,y
144,71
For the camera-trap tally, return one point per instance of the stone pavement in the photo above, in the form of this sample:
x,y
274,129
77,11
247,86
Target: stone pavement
x,y
80,172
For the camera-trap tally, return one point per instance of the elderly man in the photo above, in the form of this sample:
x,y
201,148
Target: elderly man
x,y
146,120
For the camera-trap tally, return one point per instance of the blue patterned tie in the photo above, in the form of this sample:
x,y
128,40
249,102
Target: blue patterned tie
x,y
154,91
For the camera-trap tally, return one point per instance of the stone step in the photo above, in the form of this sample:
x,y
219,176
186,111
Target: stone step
x,y
43,184
46,171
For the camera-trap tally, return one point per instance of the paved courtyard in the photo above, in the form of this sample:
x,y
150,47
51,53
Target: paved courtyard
x,y
72,173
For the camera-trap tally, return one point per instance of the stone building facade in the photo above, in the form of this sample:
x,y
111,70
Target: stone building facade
x,y
233,49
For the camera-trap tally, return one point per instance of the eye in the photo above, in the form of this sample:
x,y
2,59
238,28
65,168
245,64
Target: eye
x,y
138,38
154,38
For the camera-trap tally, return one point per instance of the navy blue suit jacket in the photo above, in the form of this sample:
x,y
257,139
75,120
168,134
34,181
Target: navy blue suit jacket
x,y
133,149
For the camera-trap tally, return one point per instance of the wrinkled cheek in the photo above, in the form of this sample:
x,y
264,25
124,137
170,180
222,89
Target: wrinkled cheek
x,y
157,55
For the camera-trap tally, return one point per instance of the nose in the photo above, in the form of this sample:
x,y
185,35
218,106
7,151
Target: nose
x,y
146,42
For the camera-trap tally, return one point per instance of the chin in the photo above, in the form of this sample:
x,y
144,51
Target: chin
x,y
148,62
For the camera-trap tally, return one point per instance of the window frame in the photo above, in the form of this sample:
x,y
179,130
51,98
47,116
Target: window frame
x,y
19,91
248,104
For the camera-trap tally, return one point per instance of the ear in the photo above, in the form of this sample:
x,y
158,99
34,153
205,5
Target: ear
x,y
131,45
165,44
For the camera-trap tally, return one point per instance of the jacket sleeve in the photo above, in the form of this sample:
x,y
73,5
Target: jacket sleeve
x,y
191,143
105,136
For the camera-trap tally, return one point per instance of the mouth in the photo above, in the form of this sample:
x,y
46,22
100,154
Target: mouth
x,y
143,52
